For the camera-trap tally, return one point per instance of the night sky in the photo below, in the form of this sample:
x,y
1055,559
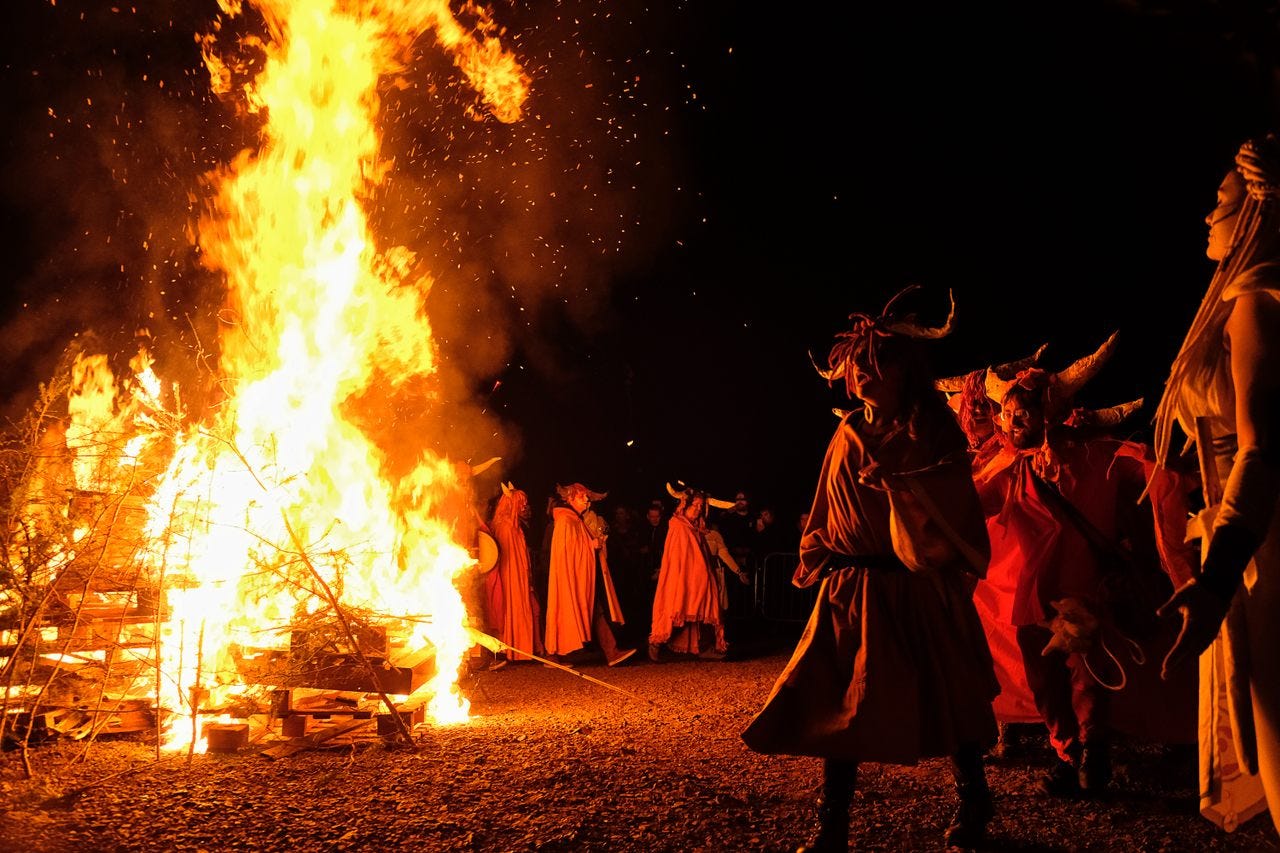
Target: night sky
x,y
700,195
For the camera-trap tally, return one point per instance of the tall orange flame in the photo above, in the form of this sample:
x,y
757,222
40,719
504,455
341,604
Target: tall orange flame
x,y
280,501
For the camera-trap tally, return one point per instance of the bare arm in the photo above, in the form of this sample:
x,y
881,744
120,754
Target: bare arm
x,y
1254,331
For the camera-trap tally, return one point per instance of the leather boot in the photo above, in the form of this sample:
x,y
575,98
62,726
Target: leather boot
x,y
968,827
1095,768
838,778
1061,779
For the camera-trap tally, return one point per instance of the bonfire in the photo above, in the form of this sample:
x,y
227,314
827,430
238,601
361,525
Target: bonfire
x,y
193,566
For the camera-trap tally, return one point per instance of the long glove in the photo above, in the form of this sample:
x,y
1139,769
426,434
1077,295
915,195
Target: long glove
x,y
1203,601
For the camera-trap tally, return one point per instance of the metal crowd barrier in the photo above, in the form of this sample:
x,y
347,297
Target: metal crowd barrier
x,y
777,600
770,597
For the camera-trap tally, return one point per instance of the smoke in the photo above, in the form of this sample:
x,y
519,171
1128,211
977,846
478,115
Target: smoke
x,y
527,228
521,230
111,127
530,219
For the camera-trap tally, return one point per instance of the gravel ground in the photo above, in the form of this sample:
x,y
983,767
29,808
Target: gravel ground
x,y
554,762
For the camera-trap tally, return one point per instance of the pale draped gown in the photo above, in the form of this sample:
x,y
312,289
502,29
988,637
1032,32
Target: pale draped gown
x,y
1240,672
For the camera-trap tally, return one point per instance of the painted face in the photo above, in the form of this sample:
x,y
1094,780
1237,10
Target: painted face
x,y
1023,422
1222,221
579,501
693,509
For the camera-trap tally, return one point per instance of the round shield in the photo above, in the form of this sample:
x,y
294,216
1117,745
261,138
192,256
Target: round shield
x,y
486,551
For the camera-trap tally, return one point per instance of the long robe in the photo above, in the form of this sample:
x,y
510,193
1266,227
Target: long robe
x,y
688,594
893,665
571,587
518,628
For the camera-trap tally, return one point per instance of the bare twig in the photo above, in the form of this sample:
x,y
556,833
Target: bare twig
x,y
346,628
489,641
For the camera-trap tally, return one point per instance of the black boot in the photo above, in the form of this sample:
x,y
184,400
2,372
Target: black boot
x,y
1062,779
969,826
838,778
1095,768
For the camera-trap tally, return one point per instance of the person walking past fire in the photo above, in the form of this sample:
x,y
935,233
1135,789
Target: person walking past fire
x,y
579,586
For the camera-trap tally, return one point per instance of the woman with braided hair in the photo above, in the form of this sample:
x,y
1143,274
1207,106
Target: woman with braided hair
x,y
1223,391
893,665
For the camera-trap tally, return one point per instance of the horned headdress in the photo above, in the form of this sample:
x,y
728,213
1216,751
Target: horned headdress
x,y
685,494
956,384
1059,388
887,324
513,503
1103,419
967,393
569,492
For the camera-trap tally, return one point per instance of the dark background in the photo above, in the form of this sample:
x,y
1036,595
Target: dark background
x,y
628,282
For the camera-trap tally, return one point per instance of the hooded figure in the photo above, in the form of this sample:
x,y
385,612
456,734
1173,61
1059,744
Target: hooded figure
x,y
520,615
578,581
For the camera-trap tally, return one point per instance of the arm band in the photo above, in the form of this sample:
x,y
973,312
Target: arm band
x,y
1249,500
1229,554
1242,523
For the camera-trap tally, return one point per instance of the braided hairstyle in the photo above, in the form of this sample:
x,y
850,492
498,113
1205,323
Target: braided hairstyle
x,y
1254,242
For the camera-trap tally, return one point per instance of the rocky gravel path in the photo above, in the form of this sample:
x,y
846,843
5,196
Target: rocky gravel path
x,y
553,762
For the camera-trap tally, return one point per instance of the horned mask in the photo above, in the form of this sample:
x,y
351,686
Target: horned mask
x,y
888,324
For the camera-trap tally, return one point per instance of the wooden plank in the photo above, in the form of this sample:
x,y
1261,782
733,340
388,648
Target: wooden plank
x,y
313,739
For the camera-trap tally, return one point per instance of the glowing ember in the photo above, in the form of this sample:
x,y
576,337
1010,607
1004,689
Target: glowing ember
x,y
280,509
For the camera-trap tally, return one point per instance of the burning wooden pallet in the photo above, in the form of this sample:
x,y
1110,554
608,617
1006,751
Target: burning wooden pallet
x,y
321,678
320,659
89,652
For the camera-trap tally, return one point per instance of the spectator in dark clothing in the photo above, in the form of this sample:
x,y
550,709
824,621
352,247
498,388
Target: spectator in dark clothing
x,y
630,576
652,537
735,525
767,537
